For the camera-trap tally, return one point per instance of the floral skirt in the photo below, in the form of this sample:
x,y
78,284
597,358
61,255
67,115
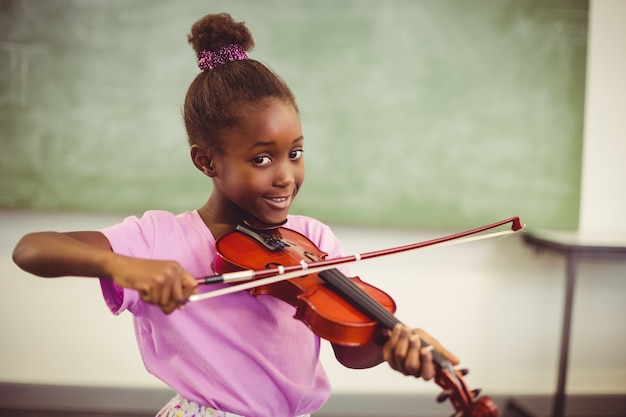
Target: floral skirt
x,y
180,407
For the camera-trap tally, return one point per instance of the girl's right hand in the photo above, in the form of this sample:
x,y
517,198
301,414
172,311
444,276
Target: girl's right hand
x,y
163,283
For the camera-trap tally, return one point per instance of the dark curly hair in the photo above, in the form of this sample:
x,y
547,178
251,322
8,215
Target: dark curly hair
x,y
216,97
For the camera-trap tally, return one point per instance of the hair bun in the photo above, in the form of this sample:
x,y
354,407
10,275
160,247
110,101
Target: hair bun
x,y
215,31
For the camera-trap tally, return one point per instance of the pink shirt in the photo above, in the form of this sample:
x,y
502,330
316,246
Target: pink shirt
x,y
237,353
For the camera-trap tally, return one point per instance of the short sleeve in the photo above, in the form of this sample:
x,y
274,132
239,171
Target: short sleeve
x,y
133,237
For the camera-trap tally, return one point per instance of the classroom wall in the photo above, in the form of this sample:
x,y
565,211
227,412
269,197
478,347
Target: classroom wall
x,y
497,304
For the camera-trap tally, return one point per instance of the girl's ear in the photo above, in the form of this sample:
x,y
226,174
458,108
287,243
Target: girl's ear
x,y
201,158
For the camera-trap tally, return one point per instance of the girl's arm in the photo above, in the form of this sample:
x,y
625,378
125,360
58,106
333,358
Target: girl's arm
x,y
89,254
52,254
403,351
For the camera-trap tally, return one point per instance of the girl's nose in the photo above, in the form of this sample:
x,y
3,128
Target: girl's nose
x,y
284,174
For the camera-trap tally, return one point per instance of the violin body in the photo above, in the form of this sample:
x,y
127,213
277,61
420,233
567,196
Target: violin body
x,y
318,306
345,311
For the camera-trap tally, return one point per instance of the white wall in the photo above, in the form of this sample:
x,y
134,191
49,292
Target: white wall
x,y
497,304
603,202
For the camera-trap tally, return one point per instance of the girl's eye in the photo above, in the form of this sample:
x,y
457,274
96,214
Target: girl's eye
x,y
296,154
262,160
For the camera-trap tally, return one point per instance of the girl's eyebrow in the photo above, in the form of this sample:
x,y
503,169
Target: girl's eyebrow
x,y
264,144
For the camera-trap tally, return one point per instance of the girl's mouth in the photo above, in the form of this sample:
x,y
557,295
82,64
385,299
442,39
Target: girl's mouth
x,y
279,203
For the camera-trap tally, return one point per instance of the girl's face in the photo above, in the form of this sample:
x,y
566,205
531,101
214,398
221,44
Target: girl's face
x,y
261,166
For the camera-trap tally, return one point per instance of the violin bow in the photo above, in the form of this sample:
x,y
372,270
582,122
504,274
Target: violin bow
x,y
281,273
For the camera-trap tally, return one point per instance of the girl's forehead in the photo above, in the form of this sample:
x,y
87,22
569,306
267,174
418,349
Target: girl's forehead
x,y
273,123
274,118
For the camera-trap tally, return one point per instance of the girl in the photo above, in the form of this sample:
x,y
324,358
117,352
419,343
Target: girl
x,y
236,355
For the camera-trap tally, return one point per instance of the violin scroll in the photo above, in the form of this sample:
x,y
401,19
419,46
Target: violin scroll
x,y
465,402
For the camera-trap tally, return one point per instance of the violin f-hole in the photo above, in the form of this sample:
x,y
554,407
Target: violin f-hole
x,y
311,256
273,265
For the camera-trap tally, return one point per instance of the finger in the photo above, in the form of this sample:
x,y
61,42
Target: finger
x,y
391,342
164,294
413,360
179,299
437,346
402,350
169,308
178,293
427,371
190,285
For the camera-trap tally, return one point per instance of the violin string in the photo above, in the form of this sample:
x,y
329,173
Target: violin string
x,y
360,299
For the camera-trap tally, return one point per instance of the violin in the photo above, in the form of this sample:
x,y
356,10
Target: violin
x,y
343,310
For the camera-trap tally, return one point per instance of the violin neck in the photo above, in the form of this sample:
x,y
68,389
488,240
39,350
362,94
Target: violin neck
x,y
358,298
363,302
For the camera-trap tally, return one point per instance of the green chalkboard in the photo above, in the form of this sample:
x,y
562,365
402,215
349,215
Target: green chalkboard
x,y
416,113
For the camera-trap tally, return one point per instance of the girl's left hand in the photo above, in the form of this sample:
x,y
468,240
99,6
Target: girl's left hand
x,y
404,352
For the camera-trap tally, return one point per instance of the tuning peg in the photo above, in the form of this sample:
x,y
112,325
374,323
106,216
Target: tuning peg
x,y
476,392
443,396
464,371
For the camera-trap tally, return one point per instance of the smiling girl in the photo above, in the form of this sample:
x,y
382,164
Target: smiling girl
x,y
236,355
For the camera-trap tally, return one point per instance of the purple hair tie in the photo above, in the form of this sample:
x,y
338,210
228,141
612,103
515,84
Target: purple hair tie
x,y
208,60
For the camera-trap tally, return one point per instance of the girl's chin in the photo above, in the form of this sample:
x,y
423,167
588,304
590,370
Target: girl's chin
x,y
275,222
265,222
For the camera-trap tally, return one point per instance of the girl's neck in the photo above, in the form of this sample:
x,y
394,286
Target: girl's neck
x,y
220,221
